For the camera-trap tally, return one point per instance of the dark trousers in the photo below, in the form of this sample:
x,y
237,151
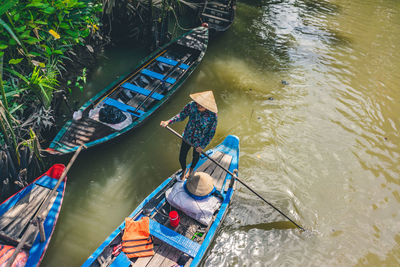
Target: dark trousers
x,y
183,153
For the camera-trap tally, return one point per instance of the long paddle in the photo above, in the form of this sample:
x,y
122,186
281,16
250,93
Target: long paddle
x,y
237,178
37,219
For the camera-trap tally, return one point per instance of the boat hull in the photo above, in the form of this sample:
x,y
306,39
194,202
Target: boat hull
x,y
218,14
16,209
153,205
146,98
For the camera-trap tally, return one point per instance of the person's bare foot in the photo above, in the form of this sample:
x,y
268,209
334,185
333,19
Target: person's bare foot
x,y
188,174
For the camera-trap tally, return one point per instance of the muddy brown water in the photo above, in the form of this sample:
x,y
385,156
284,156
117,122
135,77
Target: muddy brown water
x,y
312,89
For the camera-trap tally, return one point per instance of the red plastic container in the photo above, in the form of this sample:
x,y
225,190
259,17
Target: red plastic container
x,y
174,218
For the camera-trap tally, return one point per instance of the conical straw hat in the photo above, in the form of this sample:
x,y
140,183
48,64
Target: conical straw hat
x,y
200,184
206,99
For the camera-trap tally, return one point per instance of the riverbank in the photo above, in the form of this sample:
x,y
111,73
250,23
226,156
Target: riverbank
x,y
46,57
45,50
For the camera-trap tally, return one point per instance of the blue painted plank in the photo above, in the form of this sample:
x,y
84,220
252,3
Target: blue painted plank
x,y
173,238
142,91
49,183
121,260
153,74
158,76
184,66
123,107
170,80
167,61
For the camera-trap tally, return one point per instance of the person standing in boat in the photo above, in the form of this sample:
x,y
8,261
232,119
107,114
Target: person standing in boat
x,y
199,130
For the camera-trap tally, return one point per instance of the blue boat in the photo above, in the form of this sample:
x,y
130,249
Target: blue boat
x,y
18,210
186,244
129,101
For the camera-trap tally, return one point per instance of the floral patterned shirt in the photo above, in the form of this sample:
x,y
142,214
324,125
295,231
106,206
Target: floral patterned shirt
x,y
201,126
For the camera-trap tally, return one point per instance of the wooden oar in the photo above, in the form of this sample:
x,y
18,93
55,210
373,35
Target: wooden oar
x,y
237,178
37,220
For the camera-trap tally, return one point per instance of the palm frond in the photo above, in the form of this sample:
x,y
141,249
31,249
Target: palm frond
x,y
10,31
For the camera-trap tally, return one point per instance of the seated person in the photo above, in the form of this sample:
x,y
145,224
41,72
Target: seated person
x,y
195,197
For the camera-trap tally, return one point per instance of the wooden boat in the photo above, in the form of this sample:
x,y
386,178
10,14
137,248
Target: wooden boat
x,y
218,14
138,94
18,210
186,244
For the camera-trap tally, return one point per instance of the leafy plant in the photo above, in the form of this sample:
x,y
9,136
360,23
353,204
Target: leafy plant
x,y
6,118
32,143
37,38
80,80
44,32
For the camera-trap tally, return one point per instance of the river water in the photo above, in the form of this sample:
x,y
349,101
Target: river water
x,y
312,89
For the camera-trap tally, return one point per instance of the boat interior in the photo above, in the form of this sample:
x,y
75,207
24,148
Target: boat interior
x,y
134,96
15,221
219,14
171,245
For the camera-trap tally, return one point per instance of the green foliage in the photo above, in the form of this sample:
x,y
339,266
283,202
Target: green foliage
x,y
6,5
15,61
81,80
42,85
10,31
44,32
37,37
32,143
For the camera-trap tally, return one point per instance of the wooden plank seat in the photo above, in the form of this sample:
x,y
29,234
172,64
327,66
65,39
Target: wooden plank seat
x,y
142,91
214,17
167,61
217,10
219,5
49,184
172,62
184,66
219,174
123,107
164,256
216,172
158,76
14,222
174,239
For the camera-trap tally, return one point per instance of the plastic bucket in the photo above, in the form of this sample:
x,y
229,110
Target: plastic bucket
x,y
174,218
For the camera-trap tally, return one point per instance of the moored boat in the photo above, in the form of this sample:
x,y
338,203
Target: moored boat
x,y
129,101
218,14
187,243
18,211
